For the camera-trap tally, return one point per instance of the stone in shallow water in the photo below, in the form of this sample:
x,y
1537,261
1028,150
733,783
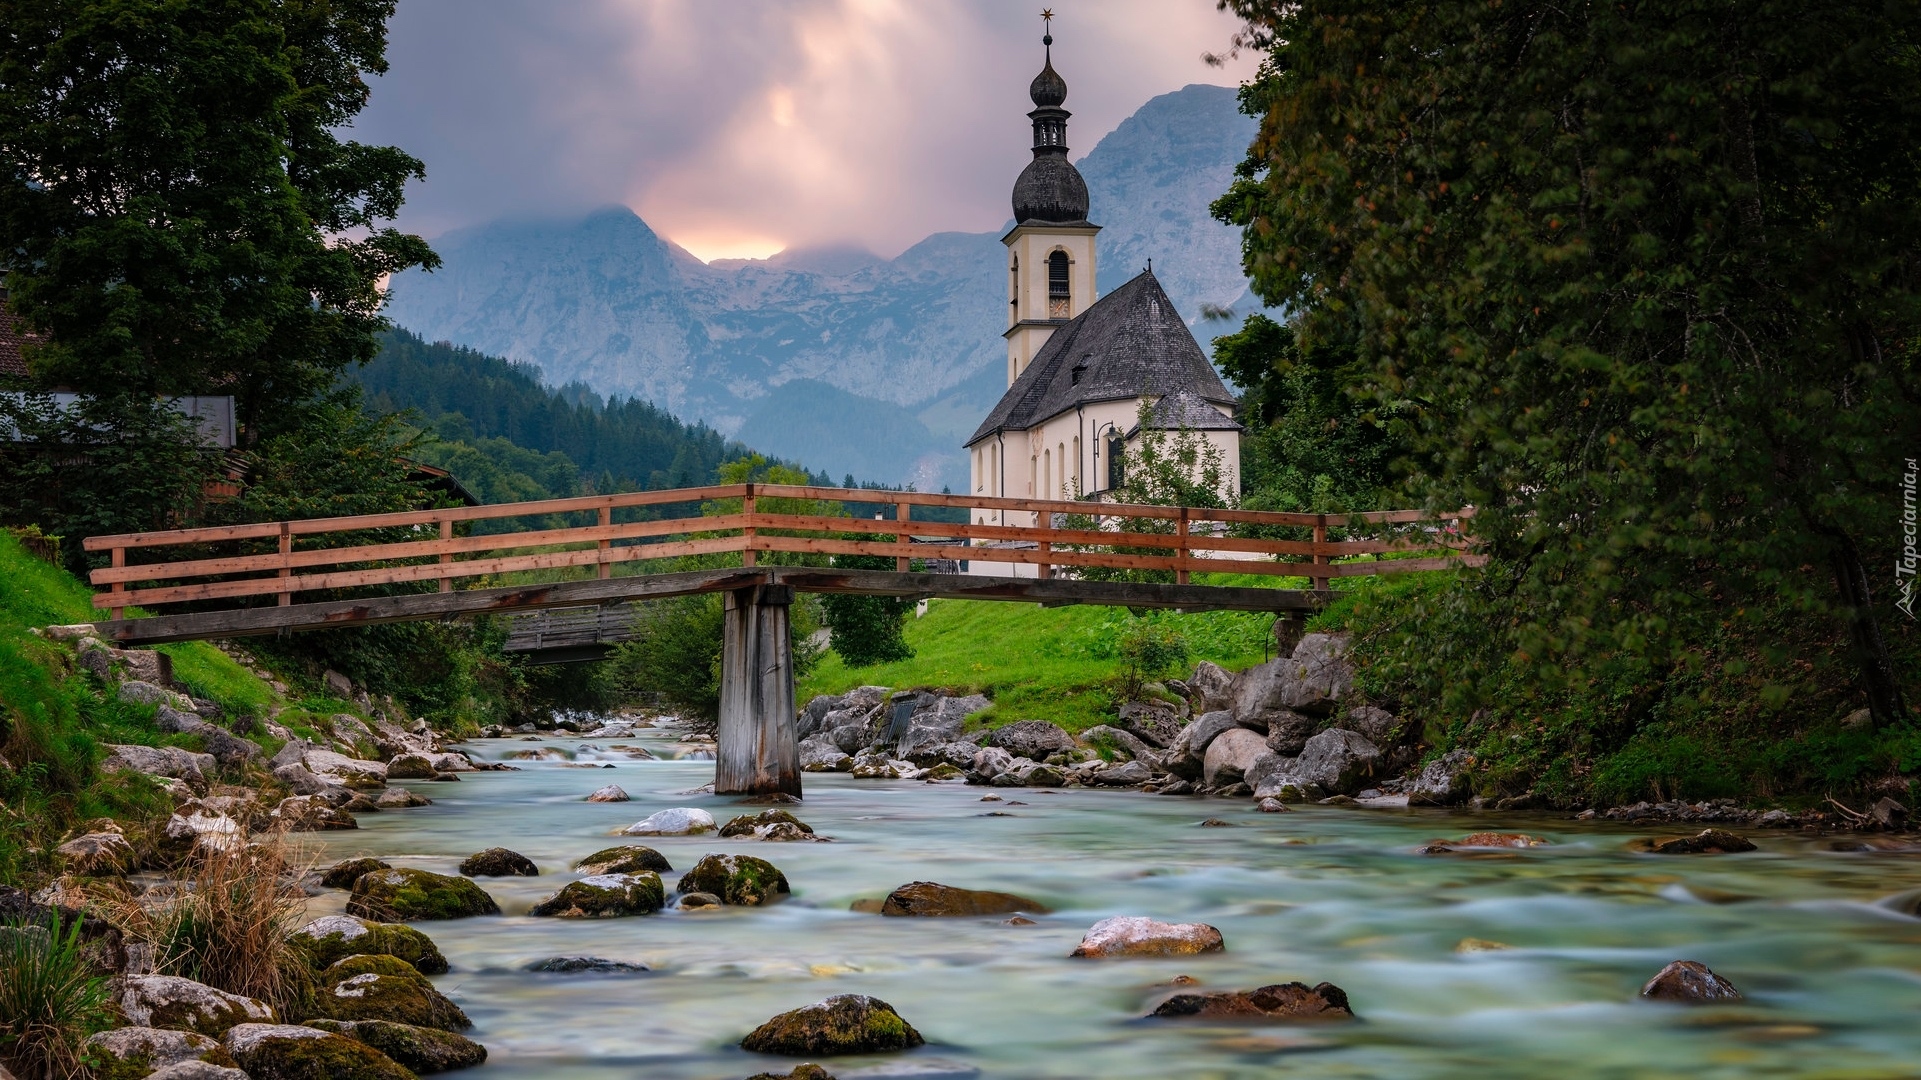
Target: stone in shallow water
x,y
1281,1001
585,964
385,988
1483,840
422,1049
610,793
332,938
1130,935
927,898
625,859
750,824
498,862
605,896
1689,981
807,1071
1706,842
679,821
736,879
286,1052
843,1024
404,894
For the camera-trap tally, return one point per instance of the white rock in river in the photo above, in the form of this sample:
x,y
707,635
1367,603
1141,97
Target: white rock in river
x,y
610,793
679,821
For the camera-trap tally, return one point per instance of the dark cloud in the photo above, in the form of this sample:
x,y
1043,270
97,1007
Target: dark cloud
x,y
738,126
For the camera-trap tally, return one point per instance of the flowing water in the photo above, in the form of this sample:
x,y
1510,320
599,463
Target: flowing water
x,y
1833,981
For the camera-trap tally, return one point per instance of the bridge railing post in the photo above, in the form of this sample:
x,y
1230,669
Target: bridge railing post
x,y
119,560
606,569
747,533
446,557
1320,581
1181,532
286,549
902,563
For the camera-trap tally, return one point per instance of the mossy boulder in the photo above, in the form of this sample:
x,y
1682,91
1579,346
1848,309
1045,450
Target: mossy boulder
x,y
328,940
411,767
498,862
843,1024
807,1071
1707,842
736,879
625,859
131,1053
422,1049
606,896
385,988
1293,1001
95,854
751,824
928,898
285,1052
404,894
168,1001
342,875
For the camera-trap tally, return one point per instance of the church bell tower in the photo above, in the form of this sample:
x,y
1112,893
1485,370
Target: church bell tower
x,y
1050,249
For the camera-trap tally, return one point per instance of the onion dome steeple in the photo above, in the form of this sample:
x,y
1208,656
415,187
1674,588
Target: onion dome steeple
x,y
1050,189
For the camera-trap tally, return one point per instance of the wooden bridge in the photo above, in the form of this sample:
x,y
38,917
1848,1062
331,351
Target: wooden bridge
x,y
755,543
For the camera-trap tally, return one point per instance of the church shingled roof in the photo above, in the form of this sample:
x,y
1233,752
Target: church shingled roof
x,y
1184,410
1132,342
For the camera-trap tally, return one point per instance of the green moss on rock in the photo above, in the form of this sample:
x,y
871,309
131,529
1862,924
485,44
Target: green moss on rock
x,y
342,875
736,879
404,894
328,940
625,859
168,1001
498,862
745,824
385,988
131,1053
424,1050
843,1024
606,896
283,1052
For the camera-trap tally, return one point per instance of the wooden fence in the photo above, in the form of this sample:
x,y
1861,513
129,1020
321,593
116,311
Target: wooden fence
x,y
335,553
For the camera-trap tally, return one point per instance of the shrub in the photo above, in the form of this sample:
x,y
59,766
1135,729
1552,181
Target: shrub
x,y
50,998
229,927
867,629
1149,650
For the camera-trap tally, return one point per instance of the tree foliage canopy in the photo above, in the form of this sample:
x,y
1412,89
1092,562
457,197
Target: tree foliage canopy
x,y
1646,275
179,212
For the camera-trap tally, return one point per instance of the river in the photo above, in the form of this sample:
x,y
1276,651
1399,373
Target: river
x,y
1321,893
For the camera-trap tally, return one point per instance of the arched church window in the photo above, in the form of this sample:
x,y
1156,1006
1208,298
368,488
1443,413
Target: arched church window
x,y
1059,298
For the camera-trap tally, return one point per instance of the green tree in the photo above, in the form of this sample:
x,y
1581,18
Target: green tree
x,y
1315,439
1647,276
179,213
867,629
100,466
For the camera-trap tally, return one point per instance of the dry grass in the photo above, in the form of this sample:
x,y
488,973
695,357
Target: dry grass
x,y
227,926
50,999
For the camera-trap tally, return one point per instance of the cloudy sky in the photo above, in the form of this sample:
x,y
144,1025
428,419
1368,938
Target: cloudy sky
x,y
739,127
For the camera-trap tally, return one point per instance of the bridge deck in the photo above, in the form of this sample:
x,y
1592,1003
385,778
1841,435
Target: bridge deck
x,y
253,621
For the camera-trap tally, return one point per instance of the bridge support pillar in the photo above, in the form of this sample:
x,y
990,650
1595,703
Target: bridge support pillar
x,y
756,752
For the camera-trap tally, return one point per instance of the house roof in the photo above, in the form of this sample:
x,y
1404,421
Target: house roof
x,y
1132,342
1184,410
13,335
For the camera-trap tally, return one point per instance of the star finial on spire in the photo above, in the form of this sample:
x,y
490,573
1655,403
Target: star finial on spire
x,y
1047,26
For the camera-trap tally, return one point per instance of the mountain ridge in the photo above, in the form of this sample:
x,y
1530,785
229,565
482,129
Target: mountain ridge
x,y
832,355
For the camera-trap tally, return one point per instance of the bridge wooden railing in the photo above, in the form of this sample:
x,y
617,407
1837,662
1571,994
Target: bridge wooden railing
x,y
1187,540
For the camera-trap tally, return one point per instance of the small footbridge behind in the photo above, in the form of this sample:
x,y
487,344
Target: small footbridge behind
x,y
594,557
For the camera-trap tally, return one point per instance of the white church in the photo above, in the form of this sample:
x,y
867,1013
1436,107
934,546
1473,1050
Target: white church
x,y
1079,367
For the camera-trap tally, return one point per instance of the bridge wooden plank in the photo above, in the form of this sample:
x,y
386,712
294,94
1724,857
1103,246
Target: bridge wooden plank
x,y
356,523
245,622
393,575
252,621
240,564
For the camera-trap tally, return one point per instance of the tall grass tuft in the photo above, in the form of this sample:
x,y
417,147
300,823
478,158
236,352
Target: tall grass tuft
x,y
228,925
50,998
